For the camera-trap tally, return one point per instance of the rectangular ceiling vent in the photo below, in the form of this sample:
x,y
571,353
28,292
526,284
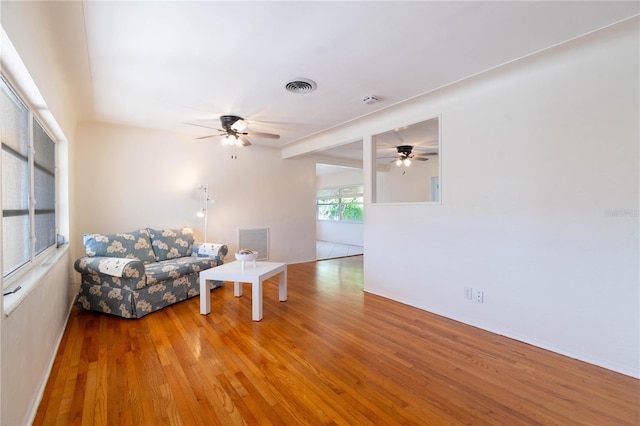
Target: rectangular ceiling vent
x,y
256,239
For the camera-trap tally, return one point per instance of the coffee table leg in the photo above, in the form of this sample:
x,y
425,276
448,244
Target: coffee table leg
x,y
282,293
256,300
237,289
205,297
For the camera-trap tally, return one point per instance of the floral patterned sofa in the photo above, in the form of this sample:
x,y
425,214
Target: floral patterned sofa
x,y
135,273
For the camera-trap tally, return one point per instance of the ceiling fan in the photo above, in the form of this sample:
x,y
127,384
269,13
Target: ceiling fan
x,y
405,155
233,131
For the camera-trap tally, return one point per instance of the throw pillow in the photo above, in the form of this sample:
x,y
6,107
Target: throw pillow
x,y
131,245
171,243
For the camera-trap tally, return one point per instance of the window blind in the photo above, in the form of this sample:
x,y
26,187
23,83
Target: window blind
x,y
16,222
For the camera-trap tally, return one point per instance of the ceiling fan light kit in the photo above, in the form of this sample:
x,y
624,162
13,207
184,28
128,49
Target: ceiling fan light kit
x,y
233,133
230,140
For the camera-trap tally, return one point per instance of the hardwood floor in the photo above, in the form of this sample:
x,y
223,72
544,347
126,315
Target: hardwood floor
x,y
331,354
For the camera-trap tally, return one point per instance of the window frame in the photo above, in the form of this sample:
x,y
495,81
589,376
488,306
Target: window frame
x,y
34,258
340,193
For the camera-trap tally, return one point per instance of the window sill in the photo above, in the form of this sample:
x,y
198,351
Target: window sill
x,y
30,280
360,222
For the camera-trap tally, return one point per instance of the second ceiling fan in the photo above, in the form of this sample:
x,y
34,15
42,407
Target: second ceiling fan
x,y
404,155
233,131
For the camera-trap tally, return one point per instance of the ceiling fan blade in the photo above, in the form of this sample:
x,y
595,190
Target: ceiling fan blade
x,y
239,125
200,125
207,137
420,158
262,135
245,141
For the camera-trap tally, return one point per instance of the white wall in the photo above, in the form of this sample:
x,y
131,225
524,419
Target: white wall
x,y
539,202
400,184
30,339
340,232
130,178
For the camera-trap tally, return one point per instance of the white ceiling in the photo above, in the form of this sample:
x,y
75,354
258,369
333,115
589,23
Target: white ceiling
x,y
161,64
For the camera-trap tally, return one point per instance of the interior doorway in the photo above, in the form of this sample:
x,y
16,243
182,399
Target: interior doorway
x,y
338,235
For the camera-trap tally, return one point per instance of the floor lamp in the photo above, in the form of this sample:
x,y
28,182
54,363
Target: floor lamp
x,y
204,212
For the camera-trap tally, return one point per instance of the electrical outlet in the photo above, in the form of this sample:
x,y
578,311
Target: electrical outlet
x,y
478,296
468,293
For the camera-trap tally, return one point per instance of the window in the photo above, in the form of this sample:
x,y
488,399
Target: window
x,y
342,204
28,183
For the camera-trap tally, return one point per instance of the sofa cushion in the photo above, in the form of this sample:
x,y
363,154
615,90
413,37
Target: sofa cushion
x,y
171,243
175,268
132,245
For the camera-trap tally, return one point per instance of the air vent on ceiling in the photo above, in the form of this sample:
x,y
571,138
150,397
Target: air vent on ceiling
x,y
301,85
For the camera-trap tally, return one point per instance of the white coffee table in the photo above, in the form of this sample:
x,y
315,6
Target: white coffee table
x,y
234,271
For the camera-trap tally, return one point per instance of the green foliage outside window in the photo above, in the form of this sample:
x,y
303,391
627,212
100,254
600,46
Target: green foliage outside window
x,y
340,204
352,210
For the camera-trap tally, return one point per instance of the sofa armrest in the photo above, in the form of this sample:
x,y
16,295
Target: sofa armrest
x,y
209,250
114,266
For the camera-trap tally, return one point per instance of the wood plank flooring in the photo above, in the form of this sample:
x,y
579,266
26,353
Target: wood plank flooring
x,y
330,355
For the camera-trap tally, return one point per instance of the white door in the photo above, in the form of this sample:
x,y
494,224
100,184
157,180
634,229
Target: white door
x,y
435,189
